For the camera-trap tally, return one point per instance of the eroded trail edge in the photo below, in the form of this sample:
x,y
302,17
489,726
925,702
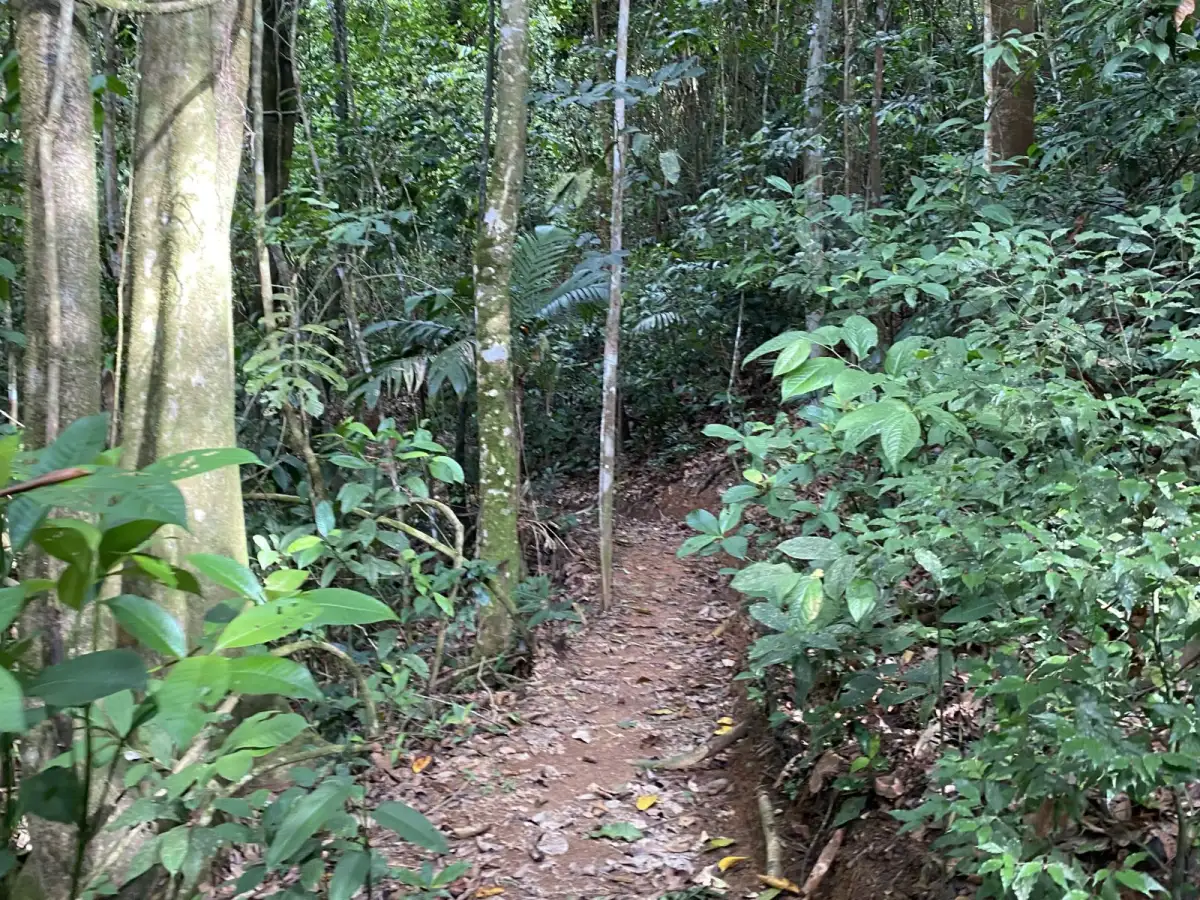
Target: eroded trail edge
x,y
560,792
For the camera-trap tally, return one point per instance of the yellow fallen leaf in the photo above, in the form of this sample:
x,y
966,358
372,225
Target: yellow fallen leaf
x,y
723,729
646,801
718,843
725,720
489,892
780,884
729,862
421,763
665,711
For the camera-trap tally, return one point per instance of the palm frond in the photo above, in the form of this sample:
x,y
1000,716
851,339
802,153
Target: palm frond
x,y
455,364
538,260
658,321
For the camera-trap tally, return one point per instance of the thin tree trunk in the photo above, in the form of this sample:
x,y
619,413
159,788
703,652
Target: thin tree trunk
x,y
814,103
874,160
1008,95
771,62
612,332
62,324
108,145
489,89
194,72
499,478
278,85
852,182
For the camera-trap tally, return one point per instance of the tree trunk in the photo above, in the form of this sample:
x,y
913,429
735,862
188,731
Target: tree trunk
x,y
194,73
1008,92
278,84
852,181
62,322
499,478
612,332
874,160
814,102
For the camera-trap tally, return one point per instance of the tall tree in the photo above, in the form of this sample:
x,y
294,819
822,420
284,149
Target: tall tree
x,y
180,381
852,180
814,101
499,459
62,322
874,157
612,332
1008,82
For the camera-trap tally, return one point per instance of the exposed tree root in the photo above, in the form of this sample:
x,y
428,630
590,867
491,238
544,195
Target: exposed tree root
x,y
766,813
694,757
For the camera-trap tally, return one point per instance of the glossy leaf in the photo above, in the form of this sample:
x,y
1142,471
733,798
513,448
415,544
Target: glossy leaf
x,y
87,678
150,624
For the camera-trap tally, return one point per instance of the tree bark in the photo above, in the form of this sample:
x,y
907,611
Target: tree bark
x,y
62,322
280,111
874,160
814,102
852,181
612,332
1009,94
180,396
499,478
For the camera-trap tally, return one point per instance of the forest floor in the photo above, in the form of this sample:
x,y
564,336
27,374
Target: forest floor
x,y
550,800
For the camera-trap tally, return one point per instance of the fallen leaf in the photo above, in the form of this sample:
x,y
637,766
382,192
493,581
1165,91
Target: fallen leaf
x,y
553,843
645,801
780,884
642,611
725,720
723,729
1183,10
890,787
489,892
729,862
421,763
662,712
829,764
719,842
582,734
618,831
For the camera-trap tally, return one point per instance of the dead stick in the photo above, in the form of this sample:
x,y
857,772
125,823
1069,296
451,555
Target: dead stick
x,y
694,757
766,812
824,862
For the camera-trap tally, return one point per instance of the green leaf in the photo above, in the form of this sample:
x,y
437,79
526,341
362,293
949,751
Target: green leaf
x,y
443,468
268,674
283,582
997,213
71,540
349,875
269,622
12,601
325,520
892,420
776,182
695,544
931,563
196,680
174,848
860,335
339,606
1138,881
818,372
54,794
861,597
618,831
668,161
125,538
263,732
940,291
809,548
703,521
812,598
228,574
724,432
852,384
774,345
352,495
150,624
87,678
12,704
793,356
766,580
410,825
970,611
196,462
850,810
79,444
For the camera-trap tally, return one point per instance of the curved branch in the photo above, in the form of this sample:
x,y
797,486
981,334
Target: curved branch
x,y
445,510
370,712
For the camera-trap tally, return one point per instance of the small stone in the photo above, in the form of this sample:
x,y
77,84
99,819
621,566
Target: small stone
x,y
553,843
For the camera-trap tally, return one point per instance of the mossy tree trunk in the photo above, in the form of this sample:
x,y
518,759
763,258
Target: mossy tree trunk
x,y
1009,89
180,379
62,322
612,333
499,478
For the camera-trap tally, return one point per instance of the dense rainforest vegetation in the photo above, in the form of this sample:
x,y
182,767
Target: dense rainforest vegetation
x,y
317,314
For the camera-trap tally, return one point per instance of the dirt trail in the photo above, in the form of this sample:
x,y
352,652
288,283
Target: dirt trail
x,y
649,680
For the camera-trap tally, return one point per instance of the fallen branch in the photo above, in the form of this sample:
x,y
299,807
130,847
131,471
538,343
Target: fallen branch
x,y
693,758
766,813
824,862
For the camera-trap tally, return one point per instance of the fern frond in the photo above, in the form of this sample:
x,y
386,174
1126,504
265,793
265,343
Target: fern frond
x,y
658,321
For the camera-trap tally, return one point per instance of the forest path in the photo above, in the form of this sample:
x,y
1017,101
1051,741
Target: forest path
x,y
649,680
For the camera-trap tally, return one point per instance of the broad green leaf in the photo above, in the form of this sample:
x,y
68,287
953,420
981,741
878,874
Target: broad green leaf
x,y
940,291
71,540
228,574
970,611
898,435
811,599
931,563
695,544
668,161
618,831
339,606
196,680
809,548
776,182
269,622
793,356
703,521
818,372
774,345
997,213
12,704
78,444
861,597
125,538
196,462
860,335
305,818
12,601
766,580
852,384
897,427
410,825
150,624
736,546
352,495
263,732
174,847
724,432
325,520
443,468
87,678
54,794
268,674
282,582
349,875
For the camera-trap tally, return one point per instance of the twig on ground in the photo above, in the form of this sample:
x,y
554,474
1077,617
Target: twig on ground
x,y
766,813
824,862
693,758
